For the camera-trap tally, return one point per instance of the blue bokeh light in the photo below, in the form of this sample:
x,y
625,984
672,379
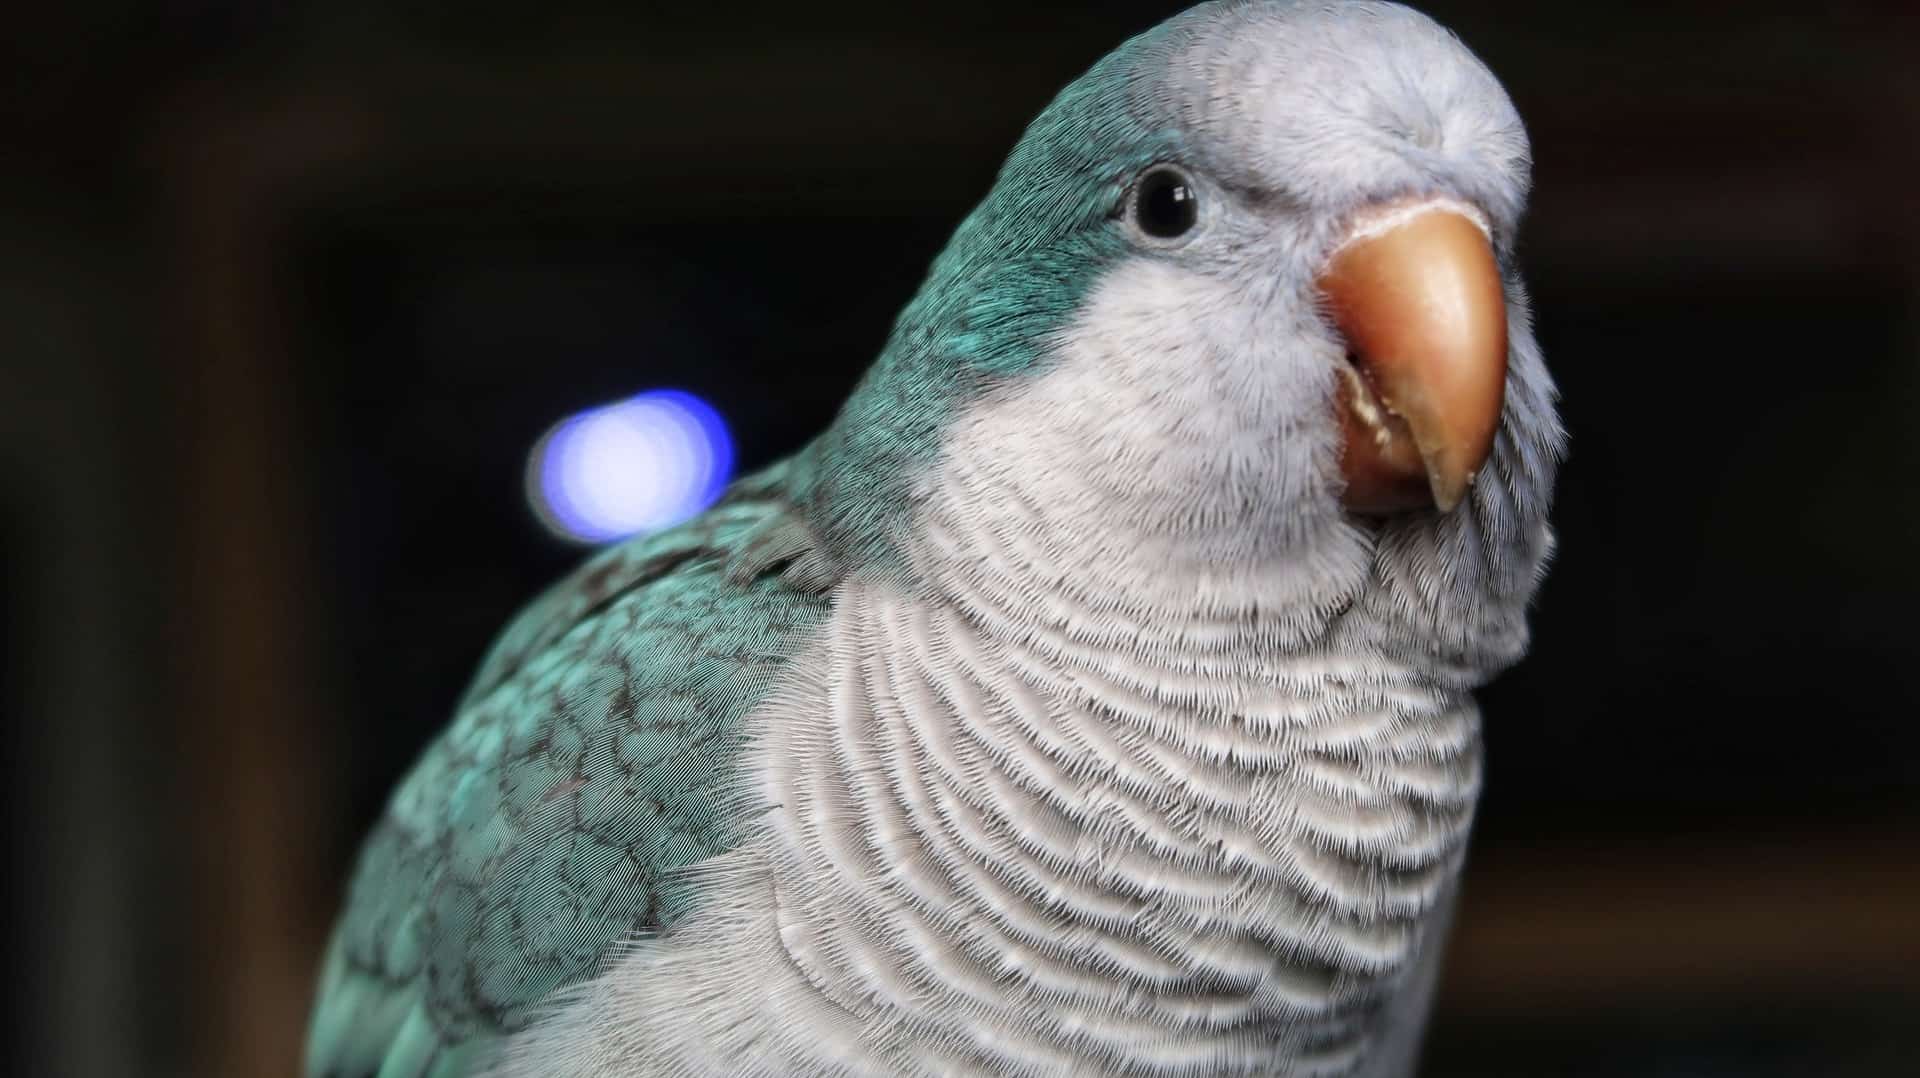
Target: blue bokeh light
x,y
634,466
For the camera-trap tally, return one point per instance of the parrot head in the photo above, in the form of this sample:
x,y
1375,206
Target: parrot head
x,y
1243,296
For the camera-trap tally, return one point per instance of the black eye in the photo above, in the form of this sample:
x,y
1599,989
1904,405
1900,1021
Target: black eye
x,y
1165,204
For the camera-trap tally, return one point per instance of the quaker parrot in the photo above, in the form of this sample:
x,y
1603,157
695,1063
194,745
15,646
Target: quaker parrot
x,y
1094,694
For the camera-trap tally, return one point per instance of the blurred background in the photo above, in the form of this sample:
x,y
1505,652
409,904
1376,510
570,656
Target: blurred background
x,y
290,290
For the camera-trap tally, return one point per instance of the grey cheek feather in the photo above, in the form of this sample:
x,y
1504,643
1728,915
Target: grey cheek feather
x,y
1461,583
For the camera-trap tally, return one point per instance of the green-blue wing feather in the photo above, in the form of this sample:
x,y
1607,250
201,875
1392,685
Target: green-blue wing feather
x,y
587,763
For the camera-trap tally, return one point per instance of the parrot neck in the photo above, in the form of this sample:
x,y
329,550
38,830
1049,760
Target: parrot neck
x,y
1116,776
1061,797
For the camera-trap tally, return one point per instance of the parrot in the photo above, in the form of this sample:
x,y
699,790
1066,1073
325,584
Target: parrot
x,y
1095,693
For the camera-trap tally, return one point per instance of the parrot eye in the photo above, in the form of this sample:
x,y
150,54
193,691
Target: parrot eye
x,y
1165,204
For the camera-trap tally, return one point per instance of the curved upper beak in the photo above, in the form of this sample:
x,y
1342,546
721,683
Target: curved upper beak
x,y
1416,292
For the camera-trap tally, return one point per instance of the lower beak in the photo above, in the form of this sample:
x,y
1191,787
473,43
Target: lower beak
x,y
1416,292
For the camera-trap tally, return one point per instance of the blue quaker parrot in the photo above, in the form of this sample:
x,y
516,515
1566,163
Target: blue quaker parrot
x,y
1094,695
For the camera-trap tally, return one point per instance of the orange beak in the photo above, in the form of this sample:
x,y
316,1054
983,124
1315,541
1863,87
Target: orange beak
x,y
1417,294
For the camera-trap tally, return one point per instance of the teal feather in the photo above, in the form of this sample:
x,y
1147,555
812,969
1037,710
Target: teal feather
x,y
584,767
1014,274
414,1048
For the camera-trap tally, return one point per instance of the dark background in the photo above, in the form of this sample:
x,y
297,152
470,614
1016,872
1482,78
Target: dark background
x,y
288,289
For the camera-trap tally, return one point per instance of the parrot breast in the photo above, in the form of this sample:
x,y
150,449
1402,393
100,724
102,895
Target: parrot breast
x,y
1068,796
